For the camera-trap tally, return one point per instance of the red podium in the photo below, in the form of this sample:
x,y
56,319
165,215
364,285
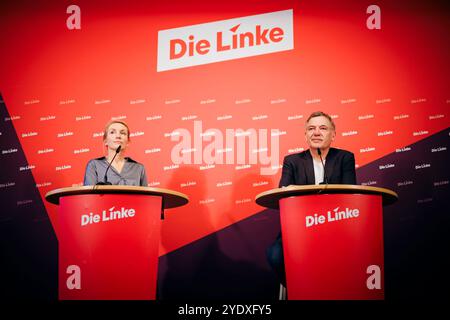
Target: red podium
x,y
332,240
109,240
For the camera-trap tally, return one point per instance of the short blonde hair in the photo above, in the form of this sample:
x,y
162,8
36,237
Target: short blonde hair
x,y
105,133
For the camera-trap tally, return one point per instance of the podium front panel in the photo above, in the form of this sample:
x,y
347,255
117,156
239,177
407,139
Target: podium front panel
x,y
108,246
333,246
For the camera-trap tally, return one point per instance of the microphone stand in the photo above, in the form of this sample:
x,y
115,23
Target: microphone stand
x,y
325,178
105,178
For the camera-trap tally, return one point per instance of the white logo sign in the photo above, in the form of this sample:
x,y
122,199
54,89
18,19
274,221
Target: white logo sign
x,y
225,40
107,215
331,216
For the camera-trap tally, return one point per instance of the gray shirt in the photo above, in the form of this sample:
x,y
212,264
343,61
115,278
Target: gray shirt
x,y
132,174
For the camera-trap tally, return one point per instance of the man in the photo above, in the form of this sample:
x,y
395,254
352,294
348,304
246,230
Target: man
x,y
306,168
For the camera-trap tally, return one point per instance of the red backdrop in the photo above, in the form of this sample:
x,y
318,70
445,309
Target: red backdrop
x,y
385,88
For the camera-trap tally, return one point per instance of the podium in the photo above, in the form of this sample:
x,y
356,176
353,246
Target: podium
x,y
108,239
332,240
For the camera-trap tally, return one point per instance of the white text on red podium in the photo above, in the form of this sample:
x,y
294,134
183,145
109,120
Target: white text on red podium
x,y
107,215
331,216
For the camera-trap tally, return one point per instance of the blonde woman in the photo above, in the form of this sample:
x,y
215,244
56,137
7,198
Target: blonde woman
x,y
123,170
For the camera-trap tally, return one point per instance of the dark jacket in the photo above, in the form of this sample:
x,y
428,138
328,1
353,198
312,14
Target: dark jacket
x,y
298,169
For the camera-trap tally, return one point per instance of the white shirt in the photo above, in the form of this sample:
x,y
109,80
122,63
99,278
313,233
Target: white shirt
x,y
318,170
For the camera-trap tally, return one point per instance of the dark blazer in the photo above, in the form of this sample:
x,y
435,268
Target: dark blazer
x,y
298,169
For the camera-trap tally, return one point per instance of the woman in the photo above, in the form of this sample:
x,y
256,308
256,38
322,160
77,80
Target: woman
x,y
123,170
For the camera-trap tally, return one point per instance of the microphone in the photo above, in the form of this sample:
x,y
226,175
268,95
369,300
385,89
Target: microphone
x,y
325,178
105,178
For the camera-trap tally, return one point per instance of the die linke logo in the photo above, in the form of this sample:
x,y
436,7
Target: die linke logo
x,y
332,216
107,215
225,40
